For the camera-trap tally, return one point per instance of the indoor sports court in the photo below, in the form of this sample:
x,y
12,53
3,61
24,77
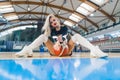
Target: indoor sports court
x,y
38,39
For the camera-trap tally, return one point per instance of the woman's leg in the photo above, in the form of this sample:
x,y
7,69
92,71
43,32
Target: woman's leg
x,y
94,51
49,44
71,45
36,43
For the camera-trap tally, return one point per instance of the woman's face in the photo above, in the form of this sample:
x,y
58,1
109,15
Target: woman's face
x,y
54,22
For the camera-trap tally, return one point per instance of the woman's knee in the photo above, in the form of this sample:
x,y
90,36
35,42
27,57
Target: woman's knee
x,y
74,37
44,37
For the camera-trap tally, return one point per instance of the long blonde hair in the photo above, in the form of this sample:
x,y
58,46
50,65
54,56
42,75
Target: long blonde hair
x,y
46,26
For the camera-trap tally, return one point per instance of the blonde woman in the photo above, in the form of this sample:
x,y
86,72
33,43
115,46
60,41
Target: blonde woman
x,y
63,44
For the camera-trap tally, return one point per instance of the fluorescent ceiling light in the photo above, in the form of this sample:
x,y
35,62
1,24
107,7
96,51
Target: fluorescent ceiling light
x,y
83,11
88,7
76,16
6,10
74,19
99,2
28,8
11,17
5,6
91,14
68,23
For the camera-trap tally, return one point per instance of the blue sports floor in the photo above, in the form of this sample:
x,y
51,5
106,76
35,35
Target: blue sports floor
x,y
60,69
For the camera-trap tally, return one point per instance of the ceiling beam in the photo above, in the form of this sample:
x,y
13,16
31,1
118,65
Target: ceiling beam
x,y
99,9
55,6
40,13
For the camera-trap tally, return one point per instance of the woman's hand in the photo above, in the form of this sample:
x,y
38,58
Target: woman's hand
x,y
57,45
60,38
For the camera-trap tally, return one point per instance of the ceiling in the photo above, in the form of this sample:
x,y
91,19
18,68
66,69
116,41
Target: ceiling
x,y
82,16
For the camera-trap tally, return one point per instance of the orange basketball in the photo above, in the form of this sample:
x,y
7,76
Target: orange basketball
x,y
58,51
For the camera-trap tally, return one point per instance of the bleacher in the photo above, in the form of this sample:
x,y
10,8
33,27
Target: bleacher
x,y
107,45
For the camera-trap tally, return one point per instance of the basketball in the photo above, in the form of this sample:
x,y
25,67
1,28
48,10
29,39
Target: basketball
x,y
59,50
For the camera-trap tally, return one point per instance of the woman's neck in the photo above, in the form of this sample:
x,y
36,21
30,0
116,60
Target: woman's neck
x,y
58,28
